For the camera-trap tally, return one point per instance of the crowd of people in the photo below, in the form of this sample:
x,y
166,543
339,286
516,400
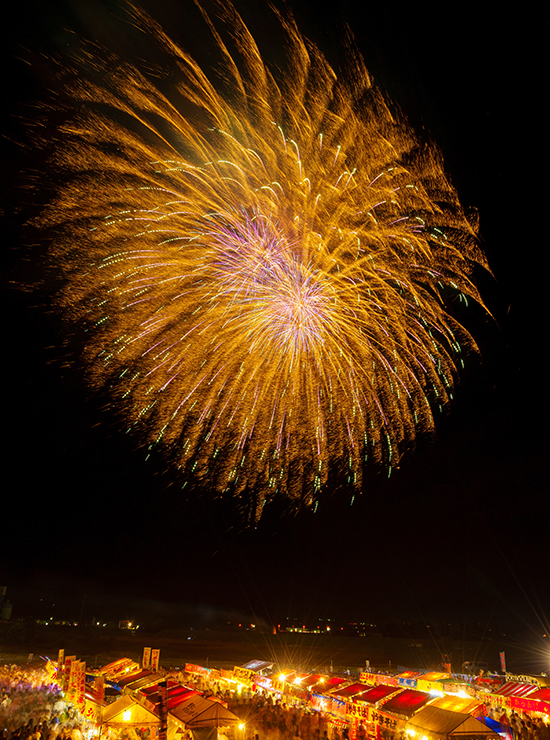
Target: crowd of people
x,y
271,720
32,707
523,727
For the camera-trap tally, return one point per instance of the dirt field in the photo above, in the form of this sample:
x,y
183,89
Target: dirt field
x,y
305,652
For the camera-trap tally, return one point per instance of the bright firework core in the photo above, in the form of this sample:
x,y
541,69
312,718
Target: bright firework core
x,y
271,303
284,305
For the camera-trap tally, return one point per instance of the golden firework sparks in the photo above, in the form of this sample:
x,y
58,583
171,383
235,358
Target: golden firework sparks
x,y
260,272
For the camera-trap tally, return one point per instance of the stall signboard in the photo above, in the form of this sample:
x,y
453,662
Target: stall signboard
x,y
361,712
318,702
337,707
378,678
278,686
523,678
191,668
410,683
387,680
496,700
246,675
371,716
92,712
366,677
328,704
386,721
264,682
529,705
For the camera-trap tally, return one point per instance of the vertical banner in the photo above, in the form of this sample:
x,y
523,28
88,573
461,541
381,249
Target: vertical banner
x,y
155,659
503,661
146,662
72,679
67,671
80,686
99,689
92,712
60,666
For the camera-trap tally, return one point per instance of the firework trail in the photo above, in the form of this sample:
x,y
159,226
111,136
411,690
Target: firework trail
x,y
260,263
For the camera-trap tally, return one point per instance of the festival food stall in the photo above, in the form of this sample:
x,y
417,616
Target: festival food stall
x,y
391,715
510,691
434,723
362,710
199,712
129,719
201,716
535,702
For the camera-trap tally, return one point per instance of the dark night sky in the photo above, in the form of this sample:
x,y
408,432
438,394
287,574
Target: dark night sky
x,y
460,532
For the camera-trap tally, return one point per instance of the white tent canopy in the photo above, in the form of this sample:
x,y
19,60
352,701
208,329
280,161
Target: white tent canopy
x,y
200,712
126,712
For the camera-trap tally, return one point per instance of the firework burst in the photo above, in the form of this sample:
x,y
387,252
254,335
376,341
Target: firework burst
x,y
260,263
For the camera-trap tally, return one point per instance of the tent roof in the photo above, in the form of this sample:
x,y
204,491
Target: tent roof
x,y
377,693
516,688
118,667
433,676
408,674
406,702
456,703
216,716
313,679
175,695
352,690
142,682
329,684
541,694
130,677
140,716
200,712
444,722
257,665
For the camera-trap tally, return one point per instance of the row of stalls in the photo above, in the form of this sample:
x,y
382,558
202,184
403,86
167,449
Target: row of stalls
x,y
125,702
428,705
129,703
